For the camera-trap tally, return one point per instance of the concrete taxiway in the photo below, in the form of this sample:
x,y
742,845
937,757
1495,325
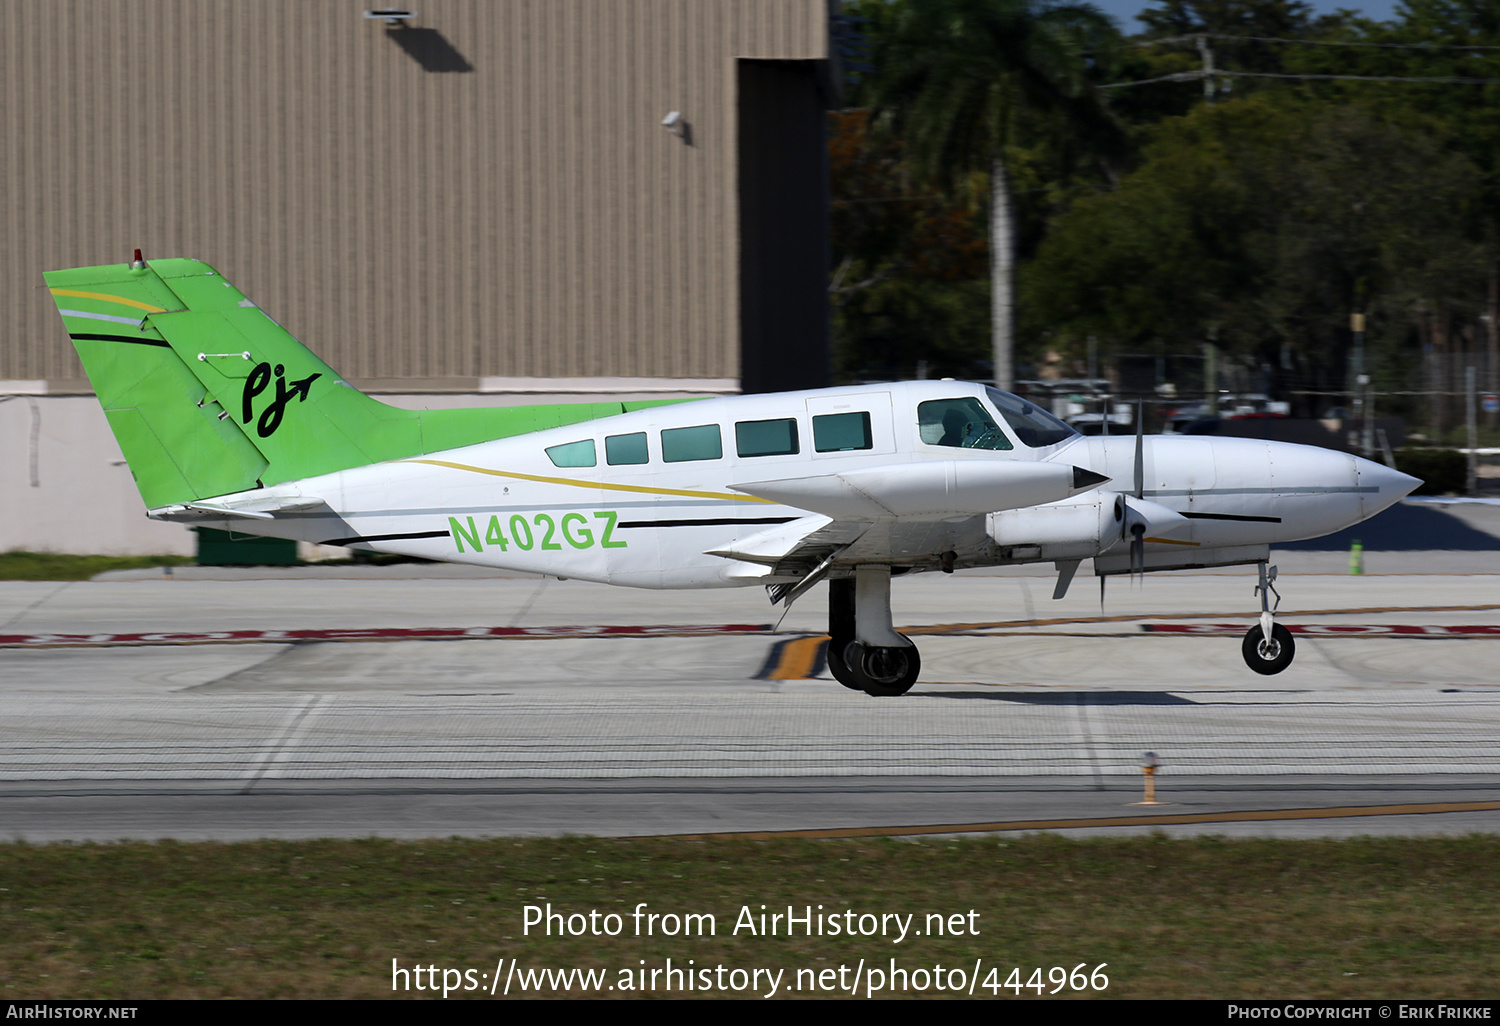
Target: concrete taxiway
x,y
378,702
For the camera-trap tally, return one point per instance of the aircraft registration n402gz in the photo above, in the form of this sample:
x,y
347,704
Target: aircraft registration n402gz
x,y
226,420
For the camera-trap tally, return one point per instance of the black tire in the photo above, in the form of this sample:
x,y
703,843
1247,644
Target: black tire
x,y
840,669
841,632
1268,658
883,672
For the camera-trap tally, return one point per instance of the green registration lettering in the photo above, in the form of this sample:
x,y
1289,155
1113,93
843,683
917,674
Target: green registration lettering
x,y
547,542
609,517
493,535
520,531
573,527
460,535
584,538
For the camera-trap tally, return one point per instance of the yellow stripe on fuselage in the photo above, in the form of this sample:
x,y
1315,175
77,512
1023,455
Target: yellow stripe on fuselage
x,y
606,485
106,298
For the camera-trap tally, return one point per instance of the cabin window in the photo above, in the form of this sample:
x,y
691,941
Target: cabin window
x,y
625,450
766,437
1033,425
683,445
573,454
842,432
961,423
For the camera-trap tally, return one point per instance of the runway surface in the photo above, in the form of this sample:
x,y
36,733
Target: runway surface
x,y
501,706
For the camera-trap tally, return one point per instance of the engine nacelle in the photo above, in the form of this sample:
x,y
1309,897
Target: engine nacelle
x,y
1078,528
1074,529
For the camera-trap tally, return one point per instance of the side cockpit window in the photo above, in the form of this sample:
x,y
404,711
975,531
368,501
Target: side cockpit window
x,y
573,454
961,423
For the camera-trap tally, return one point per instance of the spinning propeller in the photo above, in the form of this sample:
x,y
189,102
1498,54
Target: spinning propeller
x,y
1138,528
1134,513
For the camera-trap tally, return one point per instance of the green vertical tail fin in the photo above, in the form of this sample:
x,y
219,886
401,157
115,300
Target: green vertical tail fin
x,y
207,395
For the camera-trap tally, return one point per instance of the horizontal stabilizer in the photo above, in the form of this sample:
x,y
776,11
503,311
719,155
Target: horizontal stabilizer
x,y
262,508
940,489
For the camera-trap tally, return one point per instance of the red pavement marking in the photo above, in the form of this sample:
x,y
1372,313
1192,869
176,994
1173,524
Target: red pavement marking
x,y
1329,629
654,631
368,634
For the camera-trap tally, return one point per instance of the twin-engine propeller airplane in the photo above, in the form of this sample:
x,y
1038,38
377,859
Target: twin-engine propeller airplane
x,y
226,420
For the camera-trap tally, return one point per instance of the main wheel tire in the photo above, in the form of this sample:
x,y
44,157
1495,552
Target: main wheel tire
x,y
839,668
883,672
1268,657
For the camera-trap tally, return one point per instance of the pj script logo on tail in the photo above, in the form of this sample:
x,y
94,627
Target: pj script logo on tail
x,y
255,384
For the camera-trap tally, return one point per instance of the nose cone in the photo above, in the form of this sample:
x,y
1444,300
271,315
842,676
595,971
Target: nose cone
x,y
1380,486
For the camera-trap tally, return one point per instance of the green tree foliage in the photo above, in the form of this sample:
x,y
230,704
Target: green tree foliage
x,y
1182,35
1428,43
960,82
1261,214
1267,18
1265,228
910,282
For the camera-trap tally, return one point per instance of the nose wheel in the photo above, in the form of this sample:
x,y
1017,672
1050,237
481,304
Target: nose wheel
x,y
1268,647
1271,655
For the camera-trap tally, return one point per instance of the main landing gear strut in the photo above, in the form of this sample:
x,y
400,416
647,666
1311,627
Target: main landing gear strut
x,y
864,651
1268,647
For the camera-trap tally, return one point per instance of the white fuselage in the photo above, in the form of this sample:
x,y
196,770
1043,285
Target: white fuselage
x,y
653,495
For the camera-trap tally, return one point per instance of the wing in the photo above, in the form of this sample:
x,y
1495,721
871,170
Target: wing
x,y
800,553
879,510
929,490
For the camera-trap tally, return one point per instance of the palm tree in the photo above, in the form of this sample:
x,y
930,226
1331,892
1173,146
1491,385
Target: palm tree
x,y
958,81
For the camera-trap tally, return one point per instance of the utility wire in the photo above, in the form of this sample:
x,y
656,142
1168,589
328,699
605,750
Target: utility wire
x,y
1181,76
1190,76
1211,72
1312,42
1364,78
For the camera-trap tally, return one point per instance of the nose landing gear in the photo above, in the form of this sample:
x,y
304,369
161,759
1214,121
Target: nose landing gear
x,y
864,652
1268,647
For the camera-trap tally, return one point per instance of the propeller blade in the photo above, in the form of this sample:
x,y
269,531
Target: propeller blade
x,y
1138,552
1140,448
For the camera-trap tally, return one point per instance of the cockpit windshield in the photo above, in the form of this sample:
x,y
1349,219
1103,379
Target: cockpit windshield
x,y
1033,425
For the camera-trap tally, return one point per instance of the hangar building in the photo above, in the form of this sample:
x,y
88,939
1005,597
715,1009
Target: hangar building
x,y
491,202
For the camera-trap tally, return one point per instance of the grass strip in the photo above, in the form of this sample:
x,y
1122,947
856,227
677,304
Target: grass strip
x,y
18,565
1173,918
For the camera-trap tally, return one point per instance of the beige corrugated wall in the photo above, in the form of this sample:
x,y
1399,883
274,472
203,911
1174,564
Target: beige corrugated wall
x,y
527,217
